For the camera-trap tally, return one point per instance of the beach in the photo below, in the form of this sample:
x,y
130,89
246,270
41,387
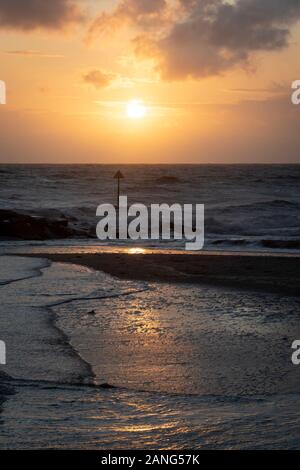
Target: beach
x,y
262,271
142,344
166,351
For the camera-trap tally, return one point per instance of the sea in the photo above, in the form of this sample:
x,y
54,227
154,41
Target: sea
x,y
96,362
247,207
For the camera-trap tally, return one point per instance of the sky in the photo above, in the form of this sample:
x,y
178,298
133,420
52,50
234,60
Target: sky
x,y
149,81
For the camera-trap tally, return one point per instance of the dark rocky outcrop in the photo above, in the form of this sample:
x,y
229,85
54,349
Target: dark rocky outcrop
x,y
14,225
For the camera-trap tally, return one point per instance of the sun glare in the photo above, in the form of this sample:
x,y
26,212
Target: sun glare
x,y
136,109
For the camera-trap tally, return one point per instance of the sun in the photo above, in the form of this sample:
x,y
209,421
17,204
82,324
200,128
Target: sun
x,y
136,109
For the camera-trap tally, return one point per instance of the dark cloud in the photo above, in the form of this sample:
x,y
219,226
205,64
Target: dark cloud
x,y
143,13
98,78
32,14
216,35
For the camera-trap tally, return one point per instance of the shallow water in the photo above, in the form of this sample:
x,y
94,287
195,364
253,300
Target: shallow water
x,y
192,366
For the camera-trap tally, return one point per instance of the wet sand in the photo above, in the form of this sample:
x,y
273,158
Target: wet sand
x,y
188,364
279,273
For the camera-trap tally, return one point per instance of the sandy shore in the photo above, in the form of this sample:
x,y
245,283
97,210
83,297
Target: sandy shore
x,y
270,273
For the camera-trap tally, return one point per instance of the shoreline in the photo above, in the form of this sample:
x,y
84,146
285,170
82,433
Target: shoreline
x,y
278,274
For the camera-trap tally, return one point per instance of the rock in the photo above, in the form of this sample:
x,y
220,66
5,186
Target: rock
x,y
106,386
14,225
168,180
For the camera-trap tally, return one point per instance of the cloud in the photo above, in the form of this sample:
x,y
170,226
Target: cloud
x,y
214,35
33,14
30,53
146,14
274,89
99,78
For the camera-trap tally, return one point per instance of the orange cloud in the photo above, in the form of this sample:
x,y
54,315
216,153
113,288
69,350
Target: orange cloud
x,y
99,78
201,38
29,53
143,13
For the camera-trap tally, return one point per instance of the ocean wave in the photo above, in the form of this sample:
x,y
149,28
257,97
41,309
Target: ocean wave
x,y
9,383
240,201
261,205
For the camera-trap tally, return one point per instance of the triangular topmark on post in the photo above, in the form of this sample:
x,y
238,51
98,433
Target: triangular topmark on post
x,y
119,175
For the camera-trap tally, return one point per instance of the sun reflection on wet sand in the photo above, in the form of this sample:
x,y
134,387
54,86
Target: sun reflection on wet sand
x,y
24,248
137,251
142,320
145,427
